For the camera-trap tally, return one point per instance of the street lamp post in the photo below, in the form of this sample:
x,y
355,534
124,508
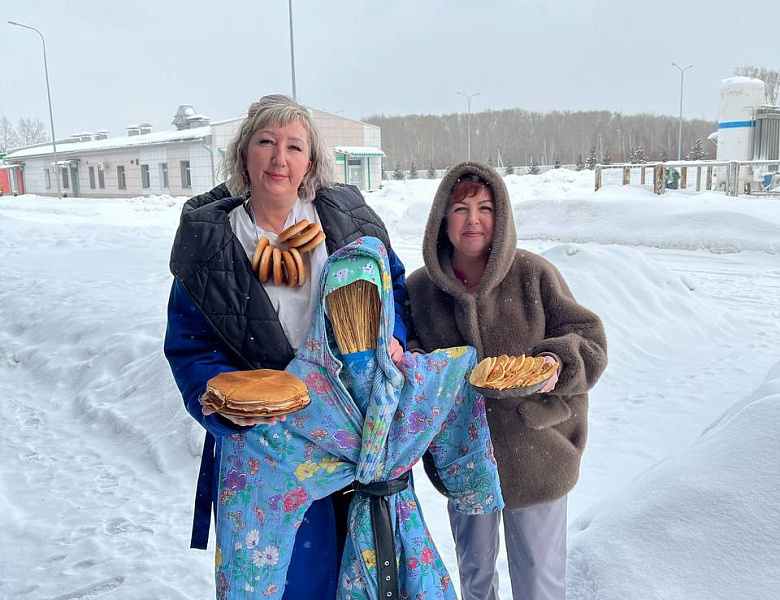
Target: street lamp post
x,y
51,115
468,97
292,50
679,128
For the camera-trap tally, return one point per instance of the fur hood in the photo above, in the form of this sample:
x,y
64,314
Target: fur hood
x,y
437,249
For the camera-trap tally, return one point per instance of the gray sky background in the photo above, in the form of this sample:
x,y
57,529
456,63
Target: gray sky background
x,y
112,64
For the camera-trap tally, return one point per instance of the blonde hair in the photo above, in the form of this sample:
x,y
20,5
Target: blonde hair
x,y
277,110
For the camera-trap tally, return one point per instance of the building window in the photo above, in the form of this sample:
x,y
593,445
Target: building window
x,y
120,177
146,182
164,175
47,173
186,176
101,179
92,178
65,180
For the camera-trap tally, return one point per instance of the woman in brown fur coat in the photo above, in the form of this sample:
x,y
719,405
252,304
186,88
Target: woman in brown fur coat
x,y
478,289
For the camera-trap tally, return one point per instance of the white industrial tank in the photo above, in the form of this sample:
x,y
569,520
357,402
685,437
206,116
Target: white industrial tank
x,y
739,98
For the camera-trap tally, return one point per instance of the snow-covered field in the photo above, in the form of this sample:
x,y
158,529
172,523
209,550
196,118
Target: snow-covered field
x,y
677,497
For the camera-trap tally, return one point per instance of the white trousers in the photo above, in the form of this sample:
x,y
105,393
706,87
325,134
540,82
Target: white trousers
x,y
535,546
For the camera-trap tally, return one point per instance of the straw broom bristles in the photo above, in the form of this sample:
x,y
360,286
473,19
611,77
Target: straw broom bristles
x,y
354,312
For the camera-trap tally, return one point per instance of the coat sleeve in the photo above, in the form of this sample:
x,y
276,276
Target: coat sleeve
x,y
573,334
400,296
412,343
195,355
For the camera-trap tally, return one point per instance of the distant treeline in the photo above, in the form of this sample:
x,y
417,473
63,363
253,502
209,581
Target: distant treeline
x,y
523,137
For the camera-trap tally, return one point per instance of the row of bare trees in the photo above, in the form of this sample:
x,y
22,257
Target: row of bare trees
x,y
26,132
518,136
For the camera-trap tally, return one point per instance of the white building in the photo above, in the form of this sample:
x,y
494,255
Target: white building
x,y
183,162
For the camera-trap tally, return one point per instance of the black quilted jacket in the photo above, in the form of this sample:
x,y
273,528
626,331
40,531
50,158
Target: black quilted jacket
x,y
211,264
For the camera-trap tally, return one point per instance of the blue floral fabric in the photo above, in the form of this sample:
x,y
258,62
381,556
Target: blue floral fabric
x,y
371,424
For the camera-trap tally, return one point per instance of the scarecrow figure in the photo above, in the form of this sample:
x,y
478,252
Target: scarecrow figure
x,y
368,423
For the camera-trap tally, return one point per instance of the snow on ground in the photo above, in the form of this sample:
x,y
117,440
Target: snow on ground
x,y
99,458
703,523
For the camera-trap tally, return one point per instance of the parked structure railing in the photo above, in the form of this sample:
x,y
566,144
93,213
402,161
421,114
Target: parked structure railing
x,y
732,177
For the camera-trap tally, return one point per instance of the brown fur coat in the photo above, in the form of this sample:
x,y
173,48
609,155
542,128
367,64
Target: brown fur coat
x,y
521,306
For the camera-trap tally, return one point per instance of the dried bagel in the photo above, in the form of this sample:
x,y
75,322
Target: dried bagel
x,y
308,239
277,266
301,268
262,244
313,243
265,265
304,236
290,269
292,231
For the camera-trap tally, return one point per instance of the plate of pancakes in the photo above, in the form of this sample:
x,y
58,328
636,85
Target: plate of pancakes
x,y
511,376
255,393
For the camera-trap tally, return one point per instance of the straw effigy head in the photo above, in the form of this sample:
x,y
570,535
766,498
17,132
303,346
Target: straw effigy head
x,y
353,303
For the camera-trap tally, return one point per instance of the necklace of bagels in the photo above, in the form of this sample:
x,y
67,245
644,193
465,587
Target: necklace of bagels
x,y
286,266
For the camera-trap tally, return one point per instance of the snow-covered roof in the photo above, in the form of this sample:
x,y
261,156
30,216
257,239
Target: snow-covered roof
x,y
162,137
359,151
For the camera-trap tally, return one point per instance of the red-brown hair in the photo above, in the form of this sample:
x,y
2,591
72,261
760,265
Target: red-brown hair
x,y
466,187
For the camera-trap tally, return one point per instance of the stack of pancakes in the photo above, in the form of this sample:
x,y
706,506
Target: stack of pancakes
x,y
503,372
257,393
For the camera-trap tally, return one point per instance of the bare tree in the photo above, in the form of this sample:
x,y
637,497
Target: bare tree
x,y
31,131
7,135
770,77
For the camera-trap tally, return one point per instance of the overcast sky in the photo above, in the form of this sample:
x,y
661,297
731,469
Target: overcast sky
x,y
113,64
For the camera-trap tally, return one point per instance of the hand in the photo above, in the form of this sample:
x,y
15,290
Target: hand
x,y
396,351
549,386
245,422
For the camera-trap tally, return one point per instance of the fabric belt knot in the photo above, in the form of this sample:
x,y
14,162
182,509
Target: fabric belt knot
x,y
381,521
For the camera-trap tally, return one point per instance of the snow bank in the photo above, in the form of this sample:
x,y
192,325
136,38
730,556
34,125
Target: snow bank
x,y
704,524
626,288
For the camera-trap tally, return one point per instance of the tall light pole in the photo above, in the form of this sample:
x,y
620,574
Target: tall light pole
x,y
468,97
292,50
679,128
51,115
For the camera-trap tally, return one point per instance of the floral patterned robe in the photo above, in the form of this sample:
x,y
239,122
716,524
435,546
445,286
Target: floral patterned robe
x,y
372,429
